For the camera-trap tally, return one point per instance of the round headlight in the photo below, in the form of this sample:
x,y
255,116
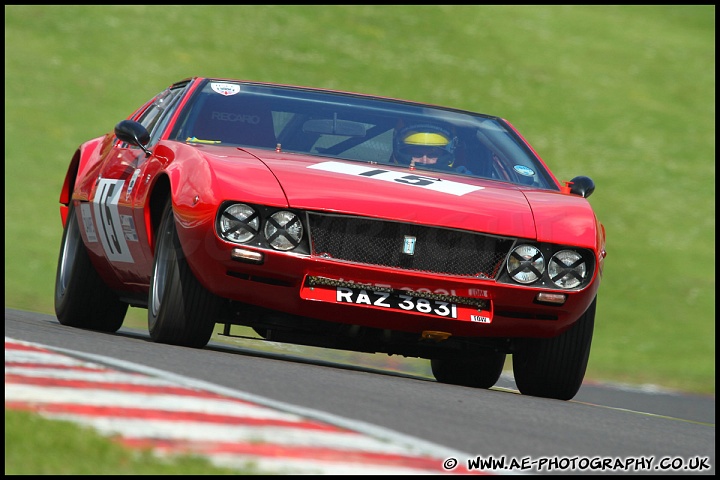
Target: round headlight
x,y
525,264
239,223
567,269
283,230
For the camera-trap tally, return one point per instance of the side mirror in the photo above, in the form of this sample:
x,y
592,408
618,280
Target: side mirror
x,y
583,186
133,133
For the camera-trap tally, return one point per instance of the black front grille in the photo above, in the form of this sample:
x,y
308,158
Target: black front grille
x,y
378,242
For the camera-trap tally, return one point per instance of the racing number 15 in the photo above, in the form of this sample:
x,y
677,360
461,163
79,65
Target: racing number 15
x,y
409,179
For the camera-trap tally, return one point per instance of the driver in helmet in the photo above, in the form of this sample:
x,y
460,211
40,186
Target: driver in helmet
x,y
428,145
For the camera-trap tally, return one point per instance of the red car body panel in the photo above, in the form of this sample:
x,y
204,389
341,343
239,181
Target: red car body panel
x,y
504,210
560,217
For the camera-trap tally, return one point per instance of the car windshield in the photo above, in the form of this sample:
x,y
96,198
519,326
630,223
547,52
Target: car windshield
x,y
358,128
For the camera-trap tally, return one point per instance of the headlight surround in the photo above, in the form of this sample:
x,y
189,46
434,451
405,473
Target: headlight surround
x,y
283,230
567,269
239,223
262,227
548,265
526,264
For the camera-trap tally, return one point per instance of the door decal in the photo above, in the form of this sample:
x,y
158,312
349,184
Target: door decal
x,y
88,224
109,224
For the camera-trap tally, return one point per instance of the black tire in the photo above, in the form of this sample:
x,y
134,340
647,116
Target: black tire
x,y
555,367
180,310
82,300
481,371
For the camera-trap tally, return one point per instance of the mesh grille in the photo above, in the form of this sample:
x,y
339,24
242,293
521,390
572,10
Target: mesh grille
x,y
378,242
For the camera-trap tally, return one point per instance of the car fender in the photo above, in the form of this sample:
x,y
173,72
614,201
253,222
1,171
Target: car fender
x,y
85,160
564,219
201,179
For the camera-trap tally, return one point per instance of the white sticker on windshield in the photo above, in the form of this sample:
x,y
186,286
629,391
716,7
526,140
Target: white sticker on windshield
x,y
225,88
413,179
523,170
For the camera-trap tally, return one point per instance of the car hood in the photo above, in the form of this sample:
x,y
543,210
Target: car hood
x,y
403,195
399,194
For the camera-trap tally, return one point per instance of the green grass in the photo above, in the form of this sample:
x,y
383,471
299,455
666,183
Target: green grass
x,y
623,94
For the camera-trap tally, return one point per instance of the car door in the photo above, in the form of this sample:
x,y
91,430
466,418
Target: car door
x,y
117,209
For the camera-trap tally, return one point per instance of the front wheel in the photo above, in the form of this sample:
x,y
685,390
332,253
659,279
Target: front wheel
x,y
180,310
555,367
82,300
480,371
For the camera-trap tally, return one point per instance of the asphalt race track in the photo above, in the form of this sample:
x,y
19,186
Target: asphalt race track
x,y
604,429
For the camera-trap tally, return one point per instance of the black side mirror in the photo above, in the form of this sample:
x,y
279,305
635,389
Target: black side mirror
x,y
133,133
583,186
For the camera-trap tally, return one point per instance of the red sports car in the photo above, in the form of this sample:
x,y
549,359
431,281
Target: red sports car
x,y
337,220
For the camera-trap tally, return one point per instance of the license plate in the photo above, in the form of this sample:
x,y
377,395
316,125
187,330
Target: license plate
x,y
475,309
395,301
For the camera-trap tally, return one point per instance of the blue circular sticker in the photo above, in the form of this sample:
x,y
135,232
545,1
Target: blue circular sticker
x,y
523,170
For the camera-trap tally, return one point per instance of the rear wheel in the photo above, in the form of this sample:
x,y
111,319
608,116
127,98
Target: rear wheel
x,y
480,371
82,300
555,367
180,310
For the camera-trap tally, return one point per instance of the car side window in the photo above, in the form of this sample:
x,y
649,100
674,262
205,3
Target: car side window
x,y
156,116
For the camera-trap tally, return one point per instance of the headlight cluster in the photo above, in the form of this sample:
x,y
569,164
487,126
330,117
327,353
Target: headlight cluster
x,y
566,268
239,223
283,230
242,223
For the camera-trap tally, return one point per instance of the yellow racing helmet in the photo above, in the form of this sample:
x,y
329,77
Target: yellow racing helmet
x,y
429,140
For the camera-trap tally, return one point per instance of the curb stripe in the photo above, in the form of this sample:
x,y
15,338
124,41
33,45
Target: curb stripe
x,y
341,440
178,416
142,407
161,401
93,384
316,453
